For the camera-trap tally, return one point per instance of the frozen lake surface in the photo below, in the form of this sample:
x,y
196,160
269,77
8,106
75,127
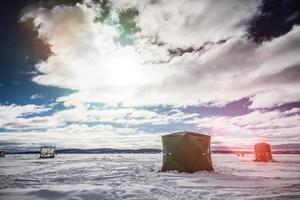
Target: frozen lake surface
x,y
136,176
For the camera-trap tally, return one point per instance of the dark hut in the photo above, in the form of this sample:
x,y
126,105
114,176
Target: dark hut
x,y
186,152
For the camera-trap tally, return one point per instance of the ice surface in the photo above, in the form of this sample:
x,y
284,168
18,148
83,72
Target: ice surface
x,y
137,176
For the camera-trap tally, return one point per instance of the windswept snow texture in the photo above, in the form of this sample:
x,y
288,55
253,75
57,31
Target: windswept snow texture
x,y
137,176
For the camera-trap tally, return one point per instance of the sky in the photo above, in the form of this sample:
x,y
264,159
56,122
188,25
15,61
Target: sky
x,y
119,74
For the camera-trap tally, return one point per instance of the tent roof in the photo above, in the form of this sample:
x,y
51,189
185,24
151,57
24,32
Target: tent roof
x,y
262,144
186,133
48,147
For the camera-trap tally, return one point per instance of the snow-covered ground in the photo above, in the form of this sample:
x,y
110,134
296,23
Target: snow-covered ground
x,y
137,176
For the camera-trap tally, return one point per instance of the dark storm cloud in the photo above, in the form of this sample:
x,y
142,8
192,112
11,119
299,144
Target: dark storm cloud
x,y
275,19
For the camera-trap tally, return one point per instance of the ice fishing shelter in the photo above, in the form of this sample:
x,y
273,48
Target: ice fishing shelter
x,y
47,152
263,152
2,154
186,152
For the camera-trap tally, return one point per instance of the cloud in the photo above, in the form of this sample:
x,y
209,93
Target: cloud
x,y
83,136
86,57
130,79
238,68
275,127
125,117
191,23
10,113
36,96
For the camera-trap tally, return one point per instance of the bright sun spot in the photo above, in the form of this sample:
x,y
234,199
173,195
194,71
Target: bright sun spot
x,y
124,70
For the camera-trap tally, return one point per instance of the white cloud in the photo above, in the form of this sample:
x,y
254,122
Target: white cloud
x,y
86,58
10,113
186,23
276,127
36,96
85,127
87,114
83,136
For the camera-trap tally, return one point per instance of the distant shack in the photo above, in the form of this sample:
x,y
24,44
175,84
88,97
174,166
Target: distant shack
x,y
47,152
263,152
2,154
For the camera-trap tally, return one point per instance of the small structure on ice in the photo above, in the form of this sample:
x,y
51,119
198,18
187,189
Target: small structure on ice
x,y
186,152
2,154
47,152
263,152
